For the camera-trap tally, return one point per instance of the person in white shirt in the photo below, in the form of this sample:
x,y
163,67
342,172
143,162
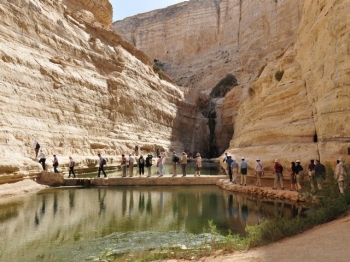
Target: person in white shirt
x,y
131,165
42,159
198,165
71,167
259,171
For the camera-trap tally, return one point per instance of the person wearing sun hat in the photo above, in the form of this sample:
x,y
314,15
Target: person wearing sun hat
x,y
198,165
183,162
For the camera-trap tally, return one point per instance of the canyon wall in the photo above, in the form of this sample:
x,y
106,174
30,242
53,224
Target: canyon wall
x,y
77,87
301,115
305,114
200,42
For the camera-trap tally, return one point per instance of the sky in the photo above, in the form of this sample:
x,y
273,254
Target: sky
x,y
125,8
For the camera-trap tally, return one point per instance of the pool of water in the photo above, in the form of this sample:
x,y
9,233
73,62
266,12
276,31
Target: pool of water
x,y
79,224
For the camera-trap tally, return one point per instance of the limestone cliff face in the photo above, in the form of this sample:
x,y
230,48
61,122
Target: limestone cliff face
x,y
101,9
301,116
305,114
77,87
200,42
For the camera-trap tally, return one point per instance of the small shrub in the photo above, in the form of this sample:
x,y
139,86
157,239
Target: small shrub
x,y
278,75
224,86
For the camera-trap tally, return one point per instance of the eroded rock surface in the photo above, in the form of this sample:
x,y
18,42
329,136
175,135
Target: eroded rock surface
x,y
302,115
77,87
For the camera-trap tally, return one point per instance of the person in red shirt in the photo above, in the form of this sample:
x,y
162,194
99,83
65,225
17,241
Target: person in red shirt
x,y
278,171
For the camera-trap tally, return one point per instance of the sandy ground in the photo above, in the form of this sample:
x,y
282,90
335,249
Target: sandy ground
x,y
327,242
22,187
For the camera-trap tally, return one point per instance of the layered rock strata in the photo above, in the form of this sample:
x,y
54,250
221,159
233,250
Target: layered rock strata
x,y
302,114
305,114
200,42
77,87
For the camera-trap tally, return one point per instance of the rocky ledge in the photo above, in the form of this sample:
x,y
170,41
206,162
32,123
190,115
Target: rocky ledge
x,y
262,192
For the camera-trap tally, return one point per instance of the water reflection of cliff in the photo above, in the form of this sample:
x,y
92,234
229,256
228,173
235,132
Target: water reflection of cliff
x,y
59,217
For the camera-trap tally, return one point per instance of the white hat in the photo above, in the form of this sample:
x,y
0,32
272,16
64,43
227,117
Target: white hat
x,y
234,159
276,160
258,159
298,161
243,157
340,158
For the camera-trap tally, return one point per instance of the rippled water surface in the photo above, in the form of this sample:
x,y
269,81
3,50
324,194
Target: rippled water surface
x,y
75,224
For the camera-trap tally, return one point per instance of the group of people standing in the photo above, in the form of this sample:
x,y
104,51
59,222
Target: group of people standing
x,y
141,162
316,173
183,162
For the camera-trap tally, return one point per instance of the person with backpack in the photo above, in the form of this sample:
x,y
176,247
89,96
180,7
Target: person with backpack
x,y
55,164
298,173
229,161
71,167
183,162
175,160
102,162
244,171
36,148
278,171
259,172
141,164
149,165
320,174
293,179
